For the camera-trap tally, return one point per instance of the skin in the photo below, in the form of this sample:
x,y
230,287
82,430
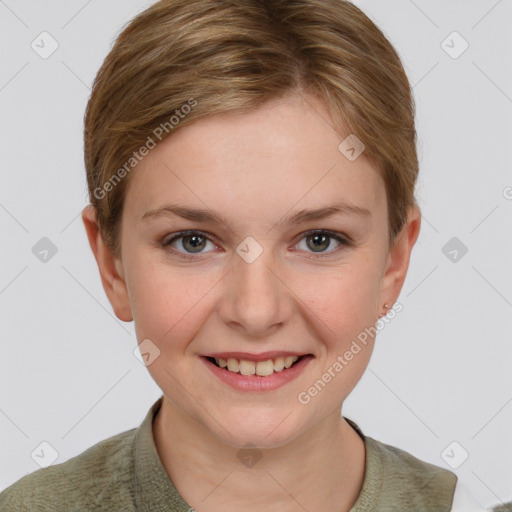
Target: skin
x,y
254,170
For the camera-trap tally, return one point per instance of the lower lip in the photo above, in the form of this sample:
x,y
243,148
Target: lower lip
x,y
255,382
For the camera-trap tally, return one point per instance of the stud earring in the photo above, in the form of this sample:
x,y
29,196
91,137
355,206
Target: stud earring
x,y
385,312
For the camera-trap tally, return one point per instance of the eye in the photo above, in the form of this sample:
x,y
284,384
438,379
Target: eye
x,y
188,243
193,242
319,240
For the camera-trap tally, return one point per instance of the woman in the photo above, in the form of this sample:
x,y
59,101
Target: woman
x,y
251,169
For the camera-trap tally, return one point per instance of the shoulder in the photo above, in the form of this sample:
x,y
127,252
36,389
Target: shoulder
x,y
406,480
102,473
504,507
403,465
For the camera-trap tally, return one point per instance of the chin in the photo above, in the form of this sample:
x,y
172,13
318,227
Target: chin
x,y
259,430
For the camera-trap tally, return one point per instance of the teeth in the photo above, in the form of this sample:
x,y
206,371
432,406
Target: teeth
x,y
288,361
279,364
261,368
247,367
264,368
233,365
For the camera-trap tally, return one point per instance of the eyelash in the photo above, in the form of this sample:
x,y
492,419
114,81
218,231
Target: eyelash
x,y
189,256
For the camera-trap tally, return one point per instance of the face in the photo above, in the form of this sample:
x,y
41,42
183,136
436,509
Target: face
x,y
256,281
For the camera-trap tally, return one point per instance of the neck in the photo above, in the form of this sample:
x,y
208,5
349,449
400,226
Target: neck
x,y
322,469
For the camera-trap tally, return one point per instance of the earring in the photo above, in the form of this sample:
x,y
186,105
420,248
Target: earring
x,y
385,312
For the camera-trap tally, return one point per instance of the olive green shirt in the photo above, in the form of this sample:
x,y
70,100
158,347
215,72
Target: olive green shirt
x,y
124,473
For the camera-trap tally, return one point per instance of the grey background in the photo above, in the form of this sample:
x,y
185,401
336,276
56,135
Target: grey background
x,y
441,370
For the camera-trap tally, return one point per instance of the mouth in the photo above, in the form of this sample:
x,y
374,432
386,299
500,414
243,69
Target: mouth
x,y
262,369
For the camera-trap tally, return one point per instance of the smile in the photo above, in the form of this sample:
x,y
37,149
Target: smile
x,y
260,368
263,375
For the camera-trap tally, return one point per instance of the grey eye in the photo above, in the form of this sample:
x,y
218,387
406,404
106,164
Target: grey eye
x,y
191,243
320,241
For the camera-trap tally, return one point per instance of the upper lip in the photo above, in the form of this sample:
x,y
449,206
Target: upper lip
x,y
262,356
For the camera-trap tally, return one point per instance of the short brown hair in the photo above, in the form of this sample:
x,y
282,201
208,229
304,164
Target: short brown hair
x,y
219,56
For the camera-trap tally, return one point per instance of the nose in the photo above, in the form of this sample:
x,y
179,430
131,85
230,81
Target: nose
x,y
256,300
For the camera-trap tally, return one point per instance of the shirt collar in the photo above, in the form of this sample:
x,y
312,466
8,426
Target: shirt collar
x,y
154,490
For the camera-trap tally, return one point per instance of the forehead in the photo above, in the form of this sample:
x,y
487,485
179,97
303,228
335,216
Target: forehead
x,y
259,163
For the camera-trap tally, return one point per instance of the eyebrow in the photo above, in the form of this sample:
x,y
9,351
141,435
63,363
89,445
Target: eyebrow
x,y
203,215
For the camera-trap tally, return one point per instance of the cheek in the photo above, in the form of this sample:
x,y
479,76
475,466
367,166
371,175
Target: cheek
x,y
167,303
341,306
344,299
171,303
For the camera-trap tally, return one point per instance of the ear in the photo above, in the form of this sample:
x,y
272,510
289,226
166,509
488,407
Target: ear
x,y
398,259
111,270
